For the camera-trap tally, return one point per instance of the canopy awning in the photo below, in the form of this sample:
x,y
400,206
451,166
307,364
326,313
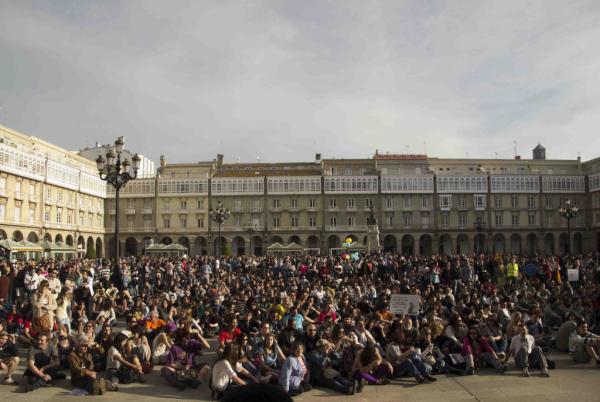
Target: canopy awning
x,y
294,247
58,247
276,246
21,246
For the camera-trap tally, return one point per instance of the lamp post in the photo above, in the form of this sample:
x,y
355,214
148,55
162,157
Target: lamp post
x,y
568,211
219,215
479,226
117,173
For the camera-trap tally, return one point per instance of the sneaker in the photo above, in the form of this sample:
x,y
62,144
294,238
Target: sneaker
x,y
471,371
360,385
420,380
112,386
503,369
383,381
430,378
525,372
9,381
545,374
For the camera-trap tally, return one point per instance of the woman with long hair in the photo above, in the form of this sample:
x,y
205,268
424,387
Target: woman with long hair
x,y
369,366
121,365
44,306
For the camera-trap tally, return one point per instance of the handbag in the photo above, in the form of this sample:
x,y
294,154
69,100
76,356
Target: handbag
x,y
42,323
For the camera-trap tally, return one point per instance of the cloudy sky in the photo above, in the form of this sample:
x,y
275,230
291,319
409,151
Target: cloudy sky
x,y
281,80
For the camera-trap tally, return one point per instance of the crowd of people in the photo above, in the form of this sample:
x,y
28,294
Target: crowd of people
x,y
293,322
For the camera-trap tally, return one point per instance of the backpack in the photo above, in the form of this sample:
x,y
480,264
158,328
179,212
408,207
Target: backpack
x,y
125,375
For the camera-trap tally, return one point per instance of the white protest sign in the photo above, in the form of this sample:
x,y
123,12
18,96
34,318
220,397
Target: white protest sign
x,y
573,275
404,304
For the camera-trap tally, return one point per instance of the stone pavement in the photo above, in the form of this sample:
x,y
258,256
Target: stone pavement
x,y
569,382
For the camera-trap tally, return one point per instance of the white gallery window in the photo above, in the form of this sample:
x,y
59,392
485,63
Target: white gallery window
x,y
445,202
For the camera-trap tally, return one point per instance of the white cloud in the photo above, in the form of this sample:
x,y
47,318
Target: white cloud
x,y
283,80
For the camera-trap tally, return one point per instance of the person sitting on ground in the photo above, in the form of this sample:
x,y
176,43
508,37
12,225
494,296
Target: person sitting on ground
x,y
477,351
322,372
526,353
121,366
583,345
81,365
294,377
181,368
43,365
225,371
564,332
370,367
9,357
404,359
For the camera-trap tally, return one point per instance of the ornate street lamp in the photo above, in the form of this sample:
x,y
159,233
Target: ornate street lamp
x,y
568,212
219,215
117,174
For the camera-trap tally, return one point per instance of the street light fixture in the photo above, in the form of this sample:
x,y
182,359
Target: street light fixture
x,y
117,174
568,211
219,215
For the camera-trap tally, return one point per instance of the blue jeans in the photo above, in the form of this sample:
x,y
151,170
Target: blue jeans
x,y
413,365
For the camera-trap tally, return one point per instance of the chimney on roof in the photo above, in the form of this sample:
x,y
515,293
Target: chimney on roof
x,y
318,157
219,160
518,157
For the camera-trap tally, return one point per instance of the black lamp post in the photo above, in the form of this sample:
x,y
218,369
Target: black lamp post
x,y
479,226
219,215
117,173
568,211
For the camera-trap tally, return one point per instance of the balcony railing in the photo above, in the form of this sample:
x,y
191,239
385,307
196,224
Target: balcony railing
x,y
2,192
130,211
18,195
32,198
147,211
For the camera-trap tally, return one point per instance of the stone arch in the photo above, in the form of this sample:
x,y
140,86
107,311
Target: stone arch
x,y
295,239
352,236
445,244
333,242
577,244
463,244
314,242
184,241
57,238
111,247
69,240
408,245
425,245
499,243
17,235
277,239
99,248
3,235
80,246
532,244
563,244
549,244
131,247
32,237
256,245
389,244
479,243
200,246
515,244
90,247
166,240
238,246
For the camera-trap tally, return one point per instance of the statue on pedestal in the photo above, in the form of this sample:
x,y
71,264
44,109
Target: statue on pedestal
x,y
373,243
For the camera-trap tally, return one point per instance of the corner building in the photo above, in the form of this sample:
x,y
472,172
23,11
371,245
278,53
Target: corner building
x,y
47,192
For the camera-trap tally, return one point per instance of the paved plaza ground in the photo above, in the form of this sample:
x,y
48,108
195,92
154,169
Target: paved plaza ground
x,y
569,382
